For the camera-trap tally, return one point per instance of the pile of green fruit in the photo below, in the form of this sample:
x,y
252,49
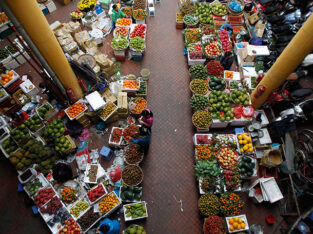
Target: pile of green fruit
x,y
9,145
240,97
204,12
33,186
130,193
11,49
78,208
62,144
209,204
119,43
33,152
219,9
188,7
221,106
198,71
190,20
143,88
3,54
43,111
134,211
54,129
20,134
246,166
198,86
134,229
217,83
34,123
234,84
201,119
137,44
199,102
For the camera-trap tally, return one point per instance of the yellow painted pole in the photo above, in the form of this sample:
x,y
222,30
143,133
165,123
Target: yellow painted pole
x,y
35,24
298,48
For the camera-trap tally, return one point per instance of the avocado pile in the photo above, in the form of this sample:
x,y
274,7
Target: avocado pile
x,y
20,134
44,110
217,83
246,166
135,229
204,12
130,193
54,129
9,145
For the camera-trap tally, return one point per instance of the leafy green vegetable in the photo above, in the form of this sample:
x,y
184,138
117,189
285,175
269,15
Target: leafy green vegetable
x,y
207,168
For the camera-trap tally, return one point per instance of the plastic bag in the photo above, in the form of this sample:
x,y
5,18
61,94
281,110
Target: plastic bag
x,y
84,135
116,174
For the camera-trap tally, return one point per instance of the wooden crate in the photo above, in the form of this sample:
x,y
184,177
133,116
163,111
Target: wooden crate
x,y
122,102
113,118
108,95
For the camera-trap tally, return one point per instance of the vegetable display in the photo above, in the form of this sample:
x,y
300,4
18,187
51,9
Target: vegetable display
x,y
77,14
212,49
204,13
139,14
240,97
108,203
195,55
194,47
107,110
198,86
231,204
217,83
95,193
137,44
229,75
209,204
214,68
190,20
121,31
11,49
135,229
135,211
130,193
141,104
9,145
132,175
78,208
245,143
123,22
207,168
119,43
55,128
227,158
201,119
246,166
188,7
198,71
205,152
192,35
139,31
34,123
69,194
143,88
214,225
212,184
43,196
234,84
199,102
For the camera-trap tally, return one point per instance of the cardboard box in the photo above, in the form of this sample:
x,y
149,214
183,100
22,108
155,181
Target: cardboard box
x,y
122,104
252,51
259,29
108,95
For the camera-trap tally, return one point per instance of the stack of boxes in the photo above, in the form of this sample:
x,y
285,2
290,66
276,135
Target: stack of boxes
x,y
122,104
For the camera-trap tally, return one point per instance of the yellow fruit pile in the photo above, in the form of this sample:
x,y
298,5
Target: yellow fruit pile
x,y
245,143
236,224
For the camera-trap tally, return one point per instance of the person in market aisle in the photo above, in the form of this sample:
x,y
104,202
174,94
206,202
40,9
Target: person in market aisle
x,y
19,118
108,226
228,28
227,60
116,14
62,172
146,118
144,139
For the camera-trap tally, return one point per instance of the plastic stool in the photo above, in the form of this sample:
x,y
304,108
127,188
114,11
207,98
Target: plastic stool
x,y
107,153
35,209
20,188
151,11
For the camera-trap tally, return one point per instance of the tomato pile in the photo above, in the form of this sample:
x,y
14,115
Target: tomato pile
x,y
95,193
121,31
224,37
139,31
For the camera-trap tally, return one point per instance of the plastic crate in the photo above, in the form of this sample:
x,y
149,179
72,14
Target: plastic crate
x,y
137,58
8,108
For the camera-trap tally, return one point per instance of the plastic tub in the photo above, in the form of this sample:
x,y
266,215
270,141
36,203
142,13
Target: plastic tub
x,y
145,74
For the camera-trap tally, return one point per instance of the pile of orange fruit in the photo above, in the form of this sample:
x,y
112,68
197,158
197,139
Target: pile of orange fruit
x,y
236,224
130,84
245,143
108,203
124,22
75,109
5,78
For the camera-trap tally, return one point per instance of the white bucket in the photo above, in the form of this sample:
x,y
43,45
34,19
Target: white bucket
x,y
145,73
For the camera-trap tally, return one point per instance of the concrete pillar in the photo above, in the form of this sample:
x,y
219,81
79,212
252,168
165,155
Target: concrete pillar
x,y
36,25
298,48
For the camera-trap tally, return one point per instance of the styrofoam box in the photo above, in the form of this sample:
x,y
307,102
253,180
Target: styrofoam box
x,y
264,119
113,143
105,193
216,123
236,75
271,189
131,219
81,212
243,218
15,77
95,100
209,136
192,62
239,122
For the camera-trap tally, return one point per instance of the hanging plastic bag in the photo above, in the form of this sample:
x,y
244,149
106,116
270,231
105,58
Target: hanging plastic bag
x,y
116,174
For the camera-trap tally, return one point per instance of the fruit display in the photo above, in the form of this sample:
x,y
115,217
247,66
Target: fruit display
x,y
34,123
43,111
9,145
59,218
86,5
221,106
204,13
79,208
133,154
229,75
70,227
139,31
246,166
214,68
116,135
137,44
231,204
88,219
128,11
201,119
130,193
139,4
235,6
32,187
214,225
6,78
198,71
132,175
92,173
108,203
119,43
212,49
20,133
52,206
96,193
240,97
77,14
62,144
3,18
4,54
199,102
212,184
139,14
198,86
224,37
203,139
135,211
195,55
188,7
217,83
121,32
207,30
179,17
11,49
219,9
194,47
55,128
190,20
123,22
209,204
207,168
227,158
134,229
226,139
108,109
232,179
130,85
245,143
141,104
43,196
69,195
234,84
142,89
75,109
205,152
192,35
131,131
236,223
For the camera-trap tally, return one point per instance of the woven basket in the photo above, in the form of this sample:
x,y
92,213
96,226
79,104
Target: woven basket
x,y
139,160
137,182
193,90
201,126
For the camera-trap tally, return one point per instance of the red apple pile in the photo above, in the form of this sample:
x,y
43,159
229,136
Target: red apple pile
x,y
139,31
195,55
70,226
212,49
227,158
43,196
224,37
95,193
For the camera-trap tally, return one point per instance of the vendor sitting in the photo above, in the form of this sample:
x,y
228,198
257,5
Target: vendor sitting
x,y
108,226
144,139
117,14
227,60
